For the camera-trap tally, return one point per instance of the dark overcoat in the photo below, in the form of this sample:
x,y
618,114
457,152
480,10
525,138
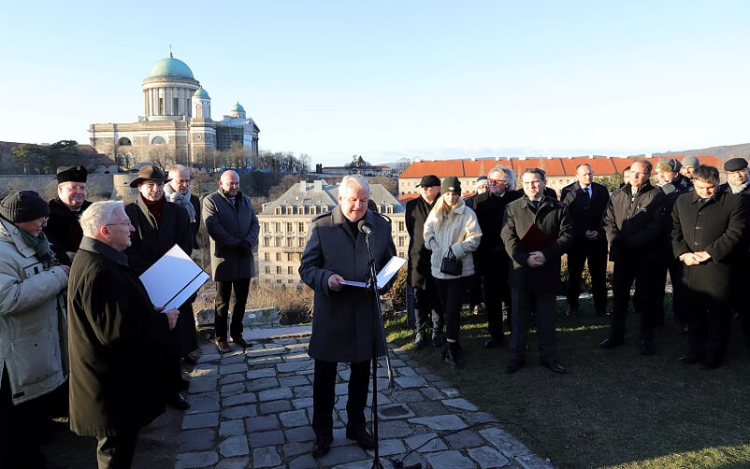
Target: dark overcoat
x,y
586,215
716,226
152,239
490,209
635,225
553,219
115,365
419,256
63,229
344,325
228,225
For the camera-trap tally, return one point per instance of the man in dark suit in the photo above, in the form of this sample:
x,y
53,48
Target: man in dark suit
x,y
635,223
587,201
738,182
537,231
708,226
115,366
419,276
492,262
346,327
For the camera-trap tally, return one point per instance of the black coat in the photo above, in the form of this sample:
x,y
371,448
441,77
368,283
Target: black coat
x,y
635,225
490,210
115,376
552,218
718,227
63,229
586,213
419,256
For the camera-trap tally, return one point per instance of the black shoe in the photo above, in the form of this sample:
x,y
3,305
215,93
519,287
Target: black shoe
x,y
419,341
553,366
322,446
190,359
571,311
603,313
611,342
493,342
689,359
363,437
452,355
437,339
515,365
239,340
647,347
178,402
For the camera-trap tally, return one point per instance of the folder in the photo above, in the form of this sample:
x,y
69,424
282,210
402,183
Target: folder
x,y
173,279
535,240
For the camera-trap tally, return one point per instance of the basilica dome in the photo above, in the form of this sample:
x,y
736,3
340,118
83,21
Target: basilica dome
x,y
171,67
201,93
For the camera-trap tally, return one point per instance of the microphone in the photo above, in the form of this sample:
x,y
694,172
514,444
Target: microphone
x,y
364,227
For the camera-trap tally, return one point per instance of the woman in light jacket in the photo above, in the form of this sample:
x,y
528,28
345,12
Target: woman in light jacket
x,y
452,227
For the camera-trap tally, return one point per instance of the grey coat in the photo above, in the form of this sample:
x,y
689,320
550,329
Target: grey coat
x,y
344,323
228,225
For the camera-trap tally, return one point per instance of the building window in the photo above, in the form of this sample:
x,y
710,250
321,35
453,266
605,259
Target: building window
x,y
289,241
301,241
301,210
278,211
278,270
277,227
268,270
276,242
401,226
290,210
290,257
289,227
278,280
266,242
265,227
161,106
400,241
267,256
158,141
290,270
389,209
278,257
301,227
401,254
324,209
175,106
312,210
290,281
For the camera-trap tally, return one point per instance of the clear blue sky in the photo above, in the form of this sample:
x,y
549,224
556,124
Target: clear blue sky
x,y
396,79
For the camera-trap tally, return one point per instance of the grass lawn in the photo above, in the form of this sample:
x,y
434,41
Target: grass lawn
x,y
614,408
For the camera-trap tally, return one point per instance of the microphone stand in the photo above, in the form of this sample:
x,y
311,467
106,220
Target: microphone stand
x,y
379,320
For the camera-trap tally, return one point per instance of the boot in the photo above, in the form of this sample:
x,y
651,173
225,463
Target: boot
x,y
452,355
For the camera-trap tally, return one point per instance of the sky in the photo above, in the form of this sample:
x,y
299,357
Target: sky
x,y
392,80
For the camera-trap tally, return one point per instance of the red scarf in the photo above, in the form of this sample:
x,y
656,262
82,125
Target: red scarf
x,y
154,207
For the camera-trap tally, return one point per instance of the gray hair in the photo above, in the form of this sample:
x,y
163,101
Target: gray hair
x,y
354,180
177,168
510,175
98,214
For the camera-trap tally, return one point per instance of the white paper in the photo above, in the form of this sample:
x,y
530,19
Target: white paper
x,y
173,279
384,276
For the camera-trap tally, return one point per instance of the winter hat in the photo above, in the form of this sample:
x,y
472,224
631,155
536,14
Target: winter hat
x,y
690,162
71,174
429,181
20,206
735,164
451,184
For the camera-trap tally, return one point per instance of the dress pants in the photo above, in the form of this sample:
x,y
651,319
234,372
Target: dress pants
x,y
241,289
497,299
709,324
18,432
324,395
116,451
645,275
451,293
427,307
595,253
524,303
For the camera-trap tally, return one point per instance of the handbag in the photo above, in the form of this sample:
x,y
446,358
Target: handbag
x,y
451,265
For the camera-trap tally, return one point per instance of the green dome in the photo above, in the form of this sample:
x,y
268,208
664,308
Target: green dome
x,y
171,67
238,108
201,93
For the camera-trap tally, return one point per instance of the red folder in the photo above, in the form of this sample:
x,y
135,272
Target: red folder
x,y
535,240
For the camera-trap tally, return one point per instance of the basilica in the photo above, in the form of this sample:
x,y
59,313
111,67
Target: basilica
x,y
176,124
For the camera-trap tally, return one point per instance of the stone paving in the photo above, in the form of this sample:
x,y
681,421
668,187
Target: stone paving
x,y
253,409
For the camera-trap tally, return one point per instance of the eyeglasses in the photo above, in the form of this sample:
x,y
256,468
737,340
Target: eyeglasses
x,y
496,182
125,223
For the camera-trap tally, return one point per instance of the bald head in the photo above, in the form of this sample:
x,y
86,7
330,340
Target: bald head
x,y
230,183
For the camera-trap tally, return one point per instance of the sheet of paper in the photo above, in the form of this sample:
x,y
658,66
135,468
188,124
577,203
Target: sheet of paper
x,y
385,275
172,278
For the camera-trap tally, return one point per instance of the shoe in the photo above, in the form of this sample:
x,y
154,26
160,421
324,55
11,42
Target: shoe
x,y
689,359
419,341
647,347
603,313
571,311
553,366
452,355
322,445
611,342
178,402
363,437
190,359
240,341
222,346
515,365
437,339
493,342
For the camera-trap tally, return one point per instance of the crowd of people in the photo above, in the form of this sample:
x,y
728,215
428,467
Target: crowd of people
x,y
685,226
66,335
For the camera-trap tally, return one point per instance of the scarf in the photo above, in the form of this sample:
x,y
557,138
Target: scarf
x,y
181,199
738,189
41,247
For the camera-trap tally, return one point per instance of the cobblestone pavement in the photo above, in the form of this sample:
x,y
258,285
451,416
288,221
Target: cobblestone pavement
x,y
254,408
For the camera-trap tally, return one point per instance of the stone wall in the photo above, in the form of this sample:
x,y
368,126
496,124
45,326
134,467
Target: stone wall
x,y
100,186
